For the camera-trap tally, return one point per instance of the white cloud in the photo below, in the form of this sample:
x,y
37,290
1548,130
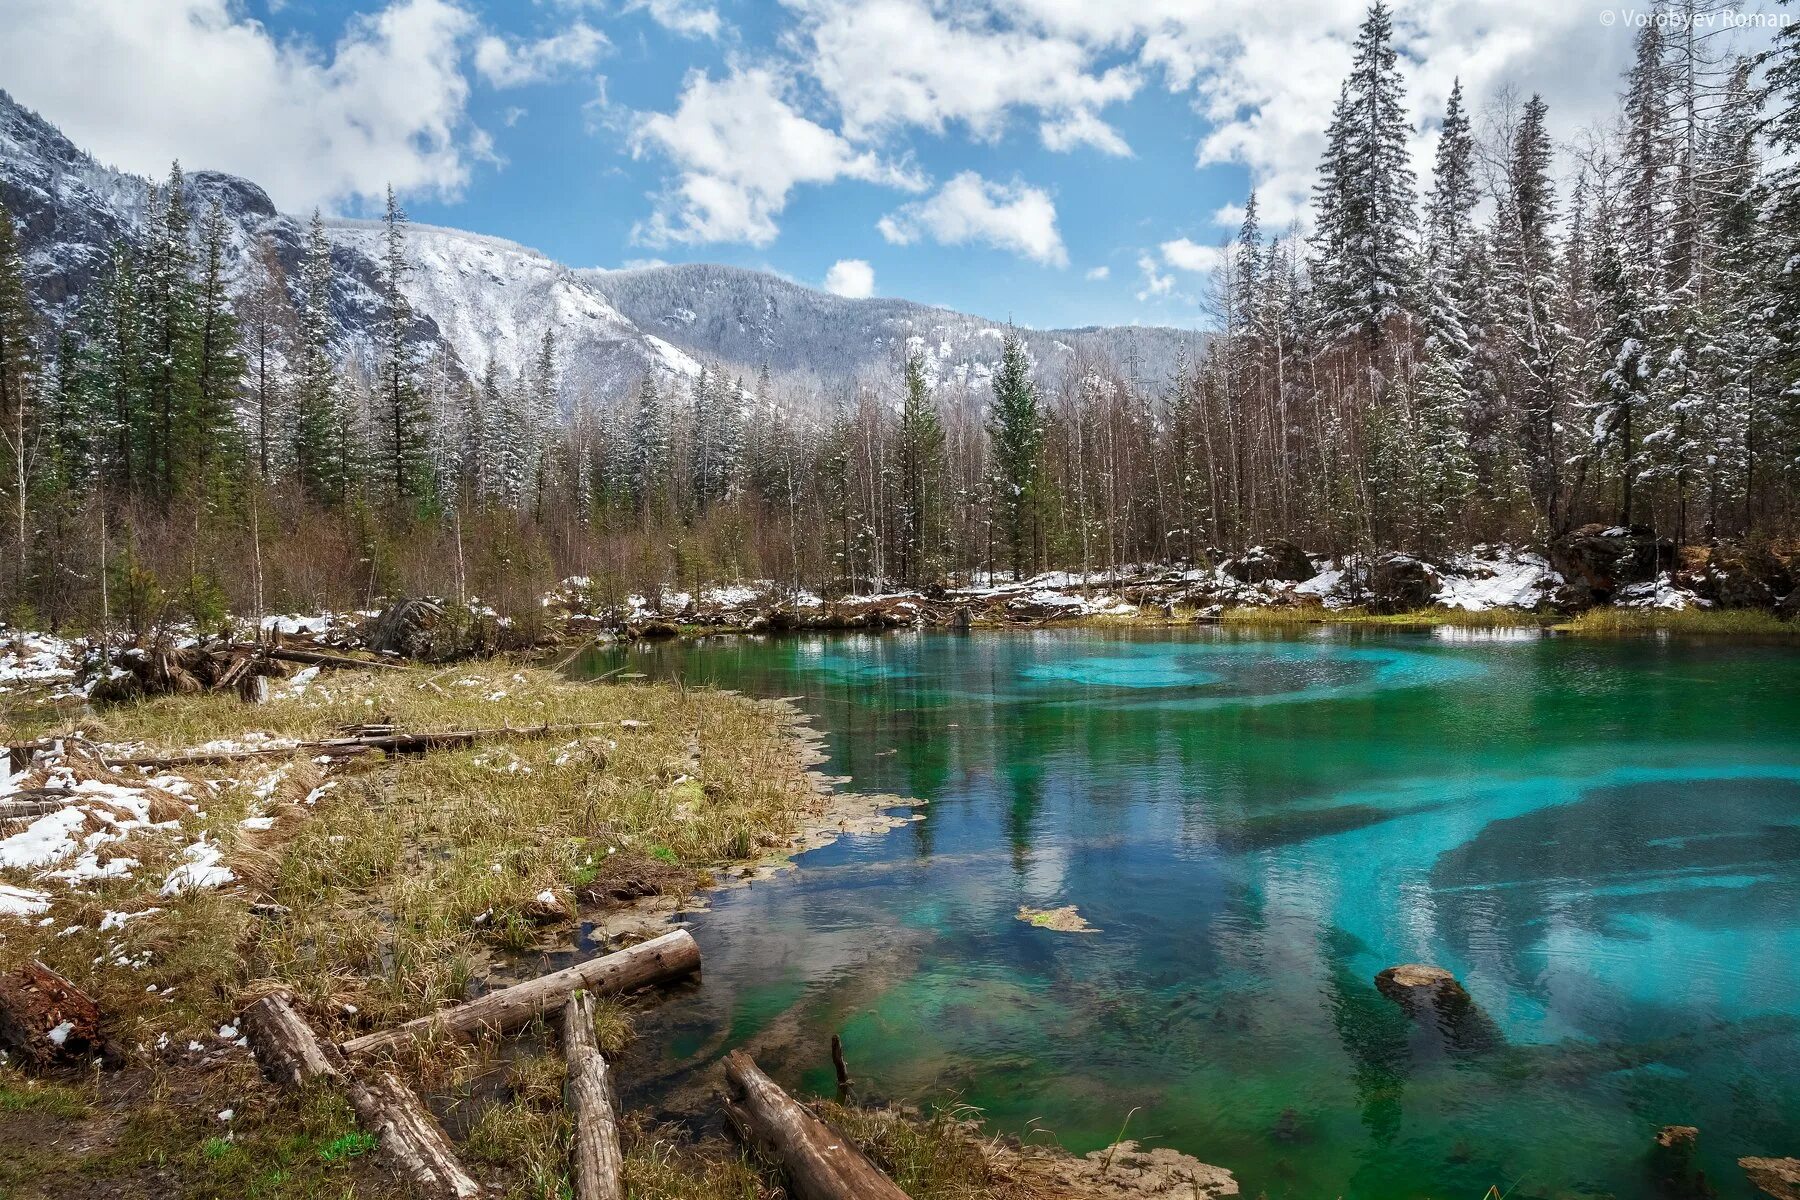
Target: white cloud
x,y
691,18
139,82
1015,216
1096,274
851,277
1186,255
888,64
1156,283
739,147
506,64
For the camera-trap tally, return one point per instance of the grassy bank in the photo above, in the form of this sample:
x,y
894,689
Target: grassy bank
x,y
376,893
380,889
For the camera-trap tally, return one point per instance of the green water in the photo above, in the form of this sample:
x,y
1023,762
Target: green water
x,y
1600,838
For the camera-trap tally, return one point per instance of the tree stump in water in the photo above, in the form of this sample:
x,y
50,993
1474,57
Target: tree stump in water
x,y
1672,1160
45,1019
1431,995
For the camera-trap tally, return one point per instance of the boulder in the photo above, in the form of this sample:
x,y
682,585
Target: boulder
x,y
1597,560
1277,559
1432,997
1739,576
1777,1177
1402,583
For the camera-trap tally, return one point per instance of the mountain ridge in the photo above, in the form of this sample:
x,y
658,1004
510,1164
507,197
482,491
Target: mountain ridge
x,y
486,297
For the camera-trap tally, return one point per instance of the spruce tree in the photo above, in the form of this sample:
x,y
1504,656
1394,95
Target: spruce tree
x,y
212,435
919,449
1016,433
319,450
402,408
19,424
1365,251
649,449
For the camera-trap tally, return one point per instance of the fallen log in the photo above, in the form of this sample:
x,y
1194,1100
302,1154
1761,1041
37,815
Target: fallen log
x,y
349,747
820,1162
595,1162
411,1140
657,961
45,1019
318,658
284,1045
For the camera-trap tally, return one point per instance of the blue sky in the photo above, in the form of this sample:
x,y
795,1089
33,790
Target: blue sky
x,y
1058,162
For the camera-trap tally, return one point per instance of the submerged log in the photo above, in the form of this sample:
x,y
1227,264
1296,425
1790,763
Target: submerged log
x,y
411,1140
661,959
284,1045
595,1162
820,1162
45,1019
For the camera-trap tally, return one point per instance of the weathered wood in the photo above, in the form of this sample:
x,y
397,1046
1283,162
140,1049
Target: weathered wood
x,y
820,1162
318,658
843,1071
45,1019
350,746
596,1164
1777,1177
411,1140
657,961
284,1045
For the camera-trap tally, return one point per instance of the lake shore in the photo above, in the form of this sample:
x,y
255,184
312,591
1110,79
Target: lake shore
x,y
377,889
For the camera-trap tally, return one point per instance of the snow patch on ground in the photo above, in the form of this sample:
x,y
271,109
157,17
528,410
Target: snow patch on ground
x,y
1481,582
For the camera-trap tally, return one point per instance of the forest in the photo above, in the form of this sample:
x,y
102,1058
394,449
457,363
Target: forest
x,y
1535,337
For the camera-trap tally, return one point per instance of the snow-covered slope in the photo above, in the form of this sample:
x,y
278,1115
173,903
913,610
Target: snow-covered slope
x,y
494,298
752,317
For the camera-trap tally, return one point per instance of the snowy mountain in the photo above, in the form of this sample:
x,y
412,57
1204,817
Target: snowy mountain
x,y
752,317
480,297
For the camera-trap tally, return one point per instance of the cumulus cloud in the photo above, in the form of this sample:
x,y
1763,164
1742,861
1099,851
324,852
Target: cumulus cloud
x,y
1186,255
852,278
141,81
739,147
690,18
1157,283
888,64
1095,274
508,63
970,209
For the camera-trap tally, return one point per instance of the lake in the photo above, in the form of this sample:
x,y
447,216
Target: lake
x,y
1600,838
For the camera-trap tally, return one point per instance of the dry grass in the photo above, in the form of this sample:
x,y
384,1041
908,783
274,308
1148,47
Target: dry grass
x,y
1711,621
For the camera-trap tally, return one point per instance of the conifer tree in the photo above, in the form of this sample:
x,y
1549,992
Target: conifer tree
x,y
19,423
320,454
1016,430
403,419
919,448
1366,220
211,437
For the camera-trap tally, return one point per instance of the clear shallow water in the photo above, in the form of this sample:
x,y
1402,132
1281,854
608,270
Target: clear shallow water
x,y
1600,838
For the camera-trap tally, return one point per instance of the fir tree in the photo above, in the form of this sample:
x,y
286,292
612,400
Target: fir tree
x,y
18,381
212,433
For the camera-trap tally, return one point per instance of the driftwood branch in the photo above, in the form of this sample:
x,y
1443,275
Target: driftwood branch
x,y
412,1142
668,957
318,658
820,1162
349,747
596,1164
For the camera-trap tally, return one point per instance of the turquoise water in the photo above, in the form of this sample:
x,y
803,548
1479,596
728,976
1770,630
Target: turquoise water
x,y
1601,839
